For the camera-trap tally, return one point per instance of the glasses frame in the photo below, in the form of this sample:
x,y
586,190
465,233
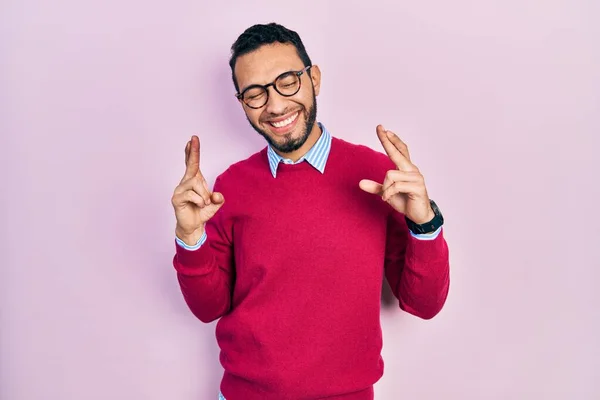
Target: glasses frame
x,y
240,96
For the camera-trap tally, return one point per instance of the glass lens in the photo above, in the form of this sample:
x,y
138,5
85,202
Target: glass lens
x,y
288,84
255,97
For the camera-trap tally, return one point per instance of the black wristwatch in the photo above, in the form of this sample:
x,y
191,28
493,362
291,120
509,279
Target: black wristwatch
x,y
428,227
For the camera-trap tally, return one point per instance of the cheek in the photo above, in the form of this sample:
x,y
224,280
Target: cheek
x,y
253,115
306,99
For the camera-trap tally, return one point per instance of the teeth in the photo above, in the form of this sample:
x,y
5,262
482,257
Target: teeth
x,y
285,122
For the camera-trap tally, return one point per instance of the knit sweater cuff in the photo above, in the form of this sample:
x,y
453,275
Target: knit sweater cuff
x,y
424,251
193,262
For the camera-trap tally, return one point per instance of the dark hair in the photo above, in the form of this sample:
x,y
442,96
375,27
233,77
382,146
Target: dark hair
x,y
259,35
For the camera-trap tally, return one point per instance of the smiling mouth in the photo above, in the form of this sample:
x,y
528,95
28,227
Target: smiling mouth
x,y
285,122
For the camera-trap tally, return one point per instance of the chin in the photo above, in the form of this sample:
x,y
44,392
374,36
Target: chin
x,y
287,143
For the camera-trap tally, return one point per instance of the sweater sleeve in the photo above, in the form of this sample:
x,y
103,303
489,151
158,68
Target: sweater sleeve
x,y
206,275
417,270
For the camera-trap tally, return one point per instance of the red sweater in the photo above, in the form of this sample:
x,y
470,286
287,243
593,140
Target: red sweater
x,y
293,268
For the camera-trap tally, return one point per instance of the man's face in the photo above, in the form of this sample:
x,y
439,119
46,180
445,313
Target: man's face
x,y
285,122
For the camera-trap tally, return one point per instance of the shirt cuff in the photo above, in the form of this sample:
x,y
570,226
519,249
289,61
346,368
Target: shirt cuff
x,y
426,236
194,247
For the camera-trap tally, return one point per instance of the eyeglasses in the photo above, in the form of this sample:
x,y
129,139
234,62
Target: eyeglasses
x,y
286,84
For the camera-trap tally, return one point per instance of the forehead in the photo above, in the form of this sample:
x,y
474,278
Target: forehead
x,y
266,63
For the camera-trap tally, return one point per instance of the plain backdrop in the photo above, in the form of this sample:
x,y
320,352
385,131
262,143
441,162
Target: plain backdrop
x,y
499,102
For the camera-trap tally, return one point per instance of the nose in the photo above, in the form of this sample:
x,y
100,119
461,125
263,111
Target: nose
x,y
276,103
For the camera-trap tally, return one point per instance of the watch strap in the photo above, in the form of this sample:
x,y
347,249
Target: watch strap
x,y
427,227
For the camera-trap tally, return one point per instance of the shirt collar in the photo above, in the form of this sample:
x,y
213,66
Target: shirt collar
x,y
316,156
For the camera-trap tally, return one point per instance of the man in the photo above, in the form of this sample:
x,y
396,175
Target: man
x,y
291,247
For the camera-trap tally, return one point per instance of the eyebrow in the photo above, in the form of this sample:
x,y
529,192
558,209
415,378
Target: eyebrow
x,y
272,80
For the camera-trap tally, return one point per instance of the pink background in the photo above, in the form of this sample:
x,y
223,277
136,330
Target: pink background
x,y
499,102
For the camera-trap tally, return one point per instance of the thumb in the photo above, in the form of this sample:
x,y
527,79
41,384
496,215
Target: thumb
x,y
217,198
216,202
370,186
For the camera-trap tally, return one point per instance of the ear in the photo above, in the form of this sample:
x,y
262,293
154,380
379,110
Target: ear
x,y
315,76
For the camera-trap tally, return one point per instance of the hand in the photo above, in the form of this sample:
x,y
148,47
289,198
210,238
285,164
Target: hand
x,y
404,187
194,204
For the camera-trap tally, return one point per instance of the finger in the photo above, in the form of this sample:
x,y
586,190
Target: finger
x,y
195,184
187,152
205,186
217,198
392,151
399,187
193,159
191,196
389,148
393,176
403,176
180,199
370,186
398,144
199,186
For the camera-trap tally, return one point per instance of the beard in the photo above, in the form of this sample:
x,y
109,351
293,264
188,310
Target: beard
x,y
289,143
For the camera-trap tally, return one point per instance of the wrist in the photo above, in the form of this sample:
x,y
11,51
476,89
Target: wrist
x,y
428,217
191,239
429,226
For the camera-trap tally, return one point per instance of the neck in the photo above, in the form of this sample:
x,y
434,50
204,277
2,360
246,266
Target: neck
x,y
314,135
